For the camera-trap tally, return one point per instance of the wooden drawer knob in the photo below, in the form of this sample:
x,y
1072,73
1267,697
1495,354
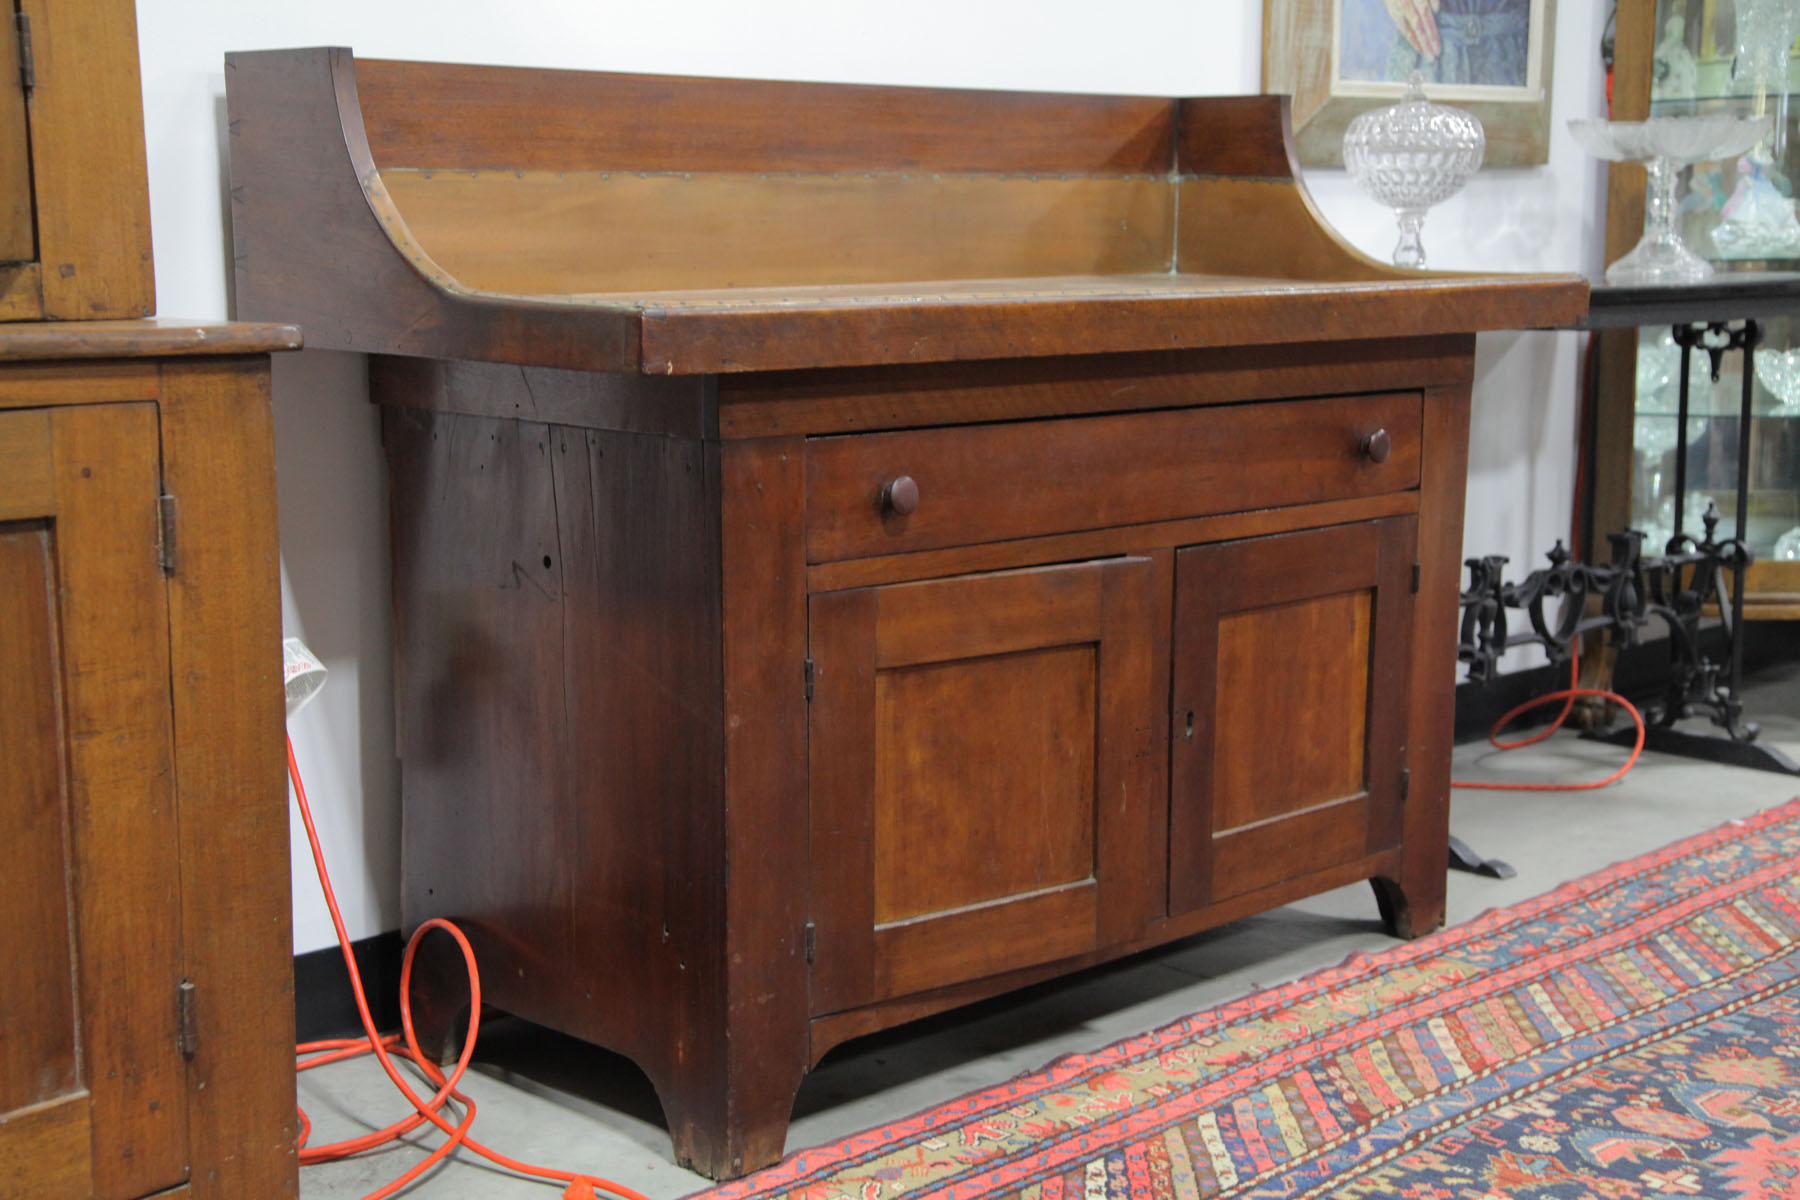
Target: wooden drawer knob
x,y
900,496
1377,446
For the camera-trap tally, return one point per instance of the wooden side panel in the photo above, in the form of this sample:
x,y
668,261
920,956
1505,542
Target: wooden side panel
x,y
87,142
225,646
586,399
18,230
1289,706
559,678
1414,902
312,246
554,232
1267,228
477,118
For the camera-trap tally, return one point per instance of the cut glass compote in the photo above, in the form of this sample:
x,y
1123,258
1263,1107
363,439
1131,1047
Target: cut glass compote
x,y
1663,145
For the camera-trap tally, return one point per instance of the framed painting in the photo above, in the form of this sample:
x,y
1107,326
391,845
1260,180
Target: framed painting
x,y
1338,58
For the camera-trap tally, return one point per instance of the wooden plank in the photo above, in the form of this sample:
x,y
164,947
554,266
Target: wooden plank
x,y
1414,901
1057,924
21,292
1243,136
683,408
1080,315
122,813
28,385
549,232
28,488
853,399
841,748
763,574
471,117
935,621
158,337
38,1055
225,648
994,482
87,146
18,229
46,1152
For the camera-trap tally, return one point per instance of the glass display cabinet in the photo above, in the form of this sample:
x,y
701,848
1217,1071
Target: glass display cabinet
x,y
1683,57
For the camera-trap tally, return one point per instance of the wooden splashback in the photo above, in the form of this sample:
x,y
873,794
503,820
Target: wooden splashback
x,y
508,118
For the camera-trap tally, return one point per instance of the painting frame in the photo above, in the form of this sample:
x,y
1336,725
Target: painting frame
x,y
1300,58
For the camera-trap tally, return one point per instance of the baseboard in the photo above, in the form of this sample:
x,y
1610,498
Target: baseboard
x,y
325,1007
1639,674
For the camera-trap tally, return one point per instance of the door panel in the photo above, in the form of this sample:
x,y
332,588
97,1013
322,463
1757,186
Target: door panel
x,y
983,782
92,948
1289,706
18,236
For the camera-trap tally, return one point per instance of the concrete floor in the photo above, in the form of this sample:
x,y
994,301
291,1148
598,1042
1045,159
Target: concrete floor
x,y
548,1099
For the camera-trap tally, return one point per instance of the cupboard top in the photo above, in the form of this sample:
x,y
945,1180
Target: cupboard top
x,y
674,226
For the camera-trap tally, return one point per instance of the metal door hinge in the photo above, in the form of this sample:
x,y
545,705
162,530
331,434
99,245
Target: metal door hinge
x,y
809,679
165,533
187,1019
812,942
1405,783
27,68
1415,579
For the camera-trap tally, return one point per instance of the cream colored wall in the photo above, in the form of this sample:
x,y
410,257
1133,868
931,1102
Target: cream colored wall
x,y
333,523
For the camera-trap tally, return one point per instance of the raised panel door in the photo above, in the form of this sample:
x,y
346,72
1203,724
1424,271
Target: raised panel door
x,y
983,775
1288,721
92,1080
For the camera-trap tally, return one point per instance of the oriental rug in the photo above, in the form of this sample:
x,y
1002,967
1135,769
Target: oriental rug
x,y
1633,1034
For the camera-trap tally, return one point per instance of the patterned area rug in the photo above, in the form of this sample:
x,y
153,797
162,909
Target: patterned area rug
x,y
1633,1034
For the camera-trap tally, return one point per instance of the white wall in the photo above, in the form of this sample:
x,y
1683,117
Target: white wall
x,y
333,522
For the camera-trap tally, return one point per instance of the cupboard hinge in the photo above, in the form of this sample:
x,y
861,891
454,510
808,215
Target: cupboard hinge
x,y
27,68
809,679
187,1021
812,942
1415,579
165,533
1405,783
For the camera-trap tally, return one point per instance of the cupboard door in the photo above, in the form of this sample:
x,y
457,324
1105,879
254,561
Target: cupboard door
x,y
1289,706
18,237
92,1080
984,775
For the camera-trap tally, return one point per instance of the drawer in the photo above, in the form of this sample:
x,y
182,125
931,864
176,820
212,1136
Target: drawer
x,y
983,483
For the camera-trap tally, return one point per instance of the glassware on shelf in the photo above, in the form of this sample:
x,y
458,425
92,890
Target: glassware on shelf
x,y
1664,144
1410,156
1779,372
1787,546
1659,371
1758,220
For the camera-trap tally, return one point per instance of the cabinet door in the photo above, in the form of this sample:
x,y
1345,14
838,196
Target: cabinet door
x,y
1289,714
984,775
92,1081
18,236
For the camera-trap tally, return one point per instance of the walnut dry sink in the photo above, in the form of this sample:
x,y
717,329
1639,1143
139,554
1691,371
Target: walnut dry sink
x,y
859,549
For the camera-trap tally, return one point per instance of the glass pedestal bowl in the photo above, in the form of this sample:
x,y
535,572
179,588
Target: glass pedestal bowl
x,y
1663,145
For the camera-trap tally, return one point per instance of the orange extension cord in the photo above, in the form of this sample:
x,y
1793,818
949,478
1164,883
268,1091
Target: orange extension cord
x,y
580,1187
1568,695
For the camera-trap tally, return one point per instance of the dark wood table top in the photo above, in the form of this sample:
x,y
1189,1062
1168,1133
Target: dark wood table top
x,y
1727,296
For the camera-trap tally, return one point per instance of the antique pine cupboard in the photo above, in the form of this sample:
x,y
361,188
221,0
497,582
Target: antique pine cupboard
x,y
861,549
146,949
